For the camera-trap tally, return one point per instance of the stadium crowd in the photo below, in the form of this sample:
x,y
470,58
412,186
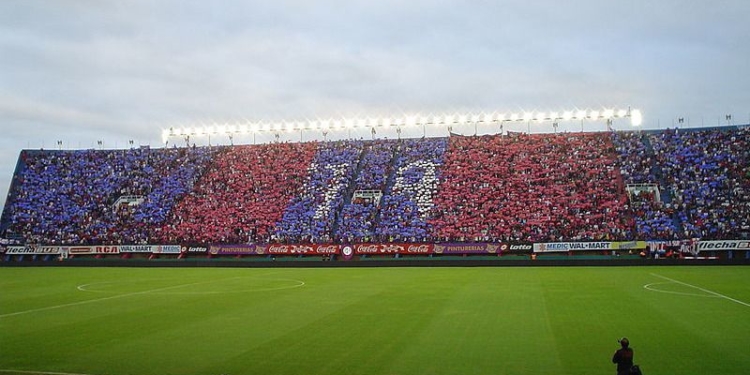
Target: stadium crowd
x,y
358,217
241,196
311,215
407,206
709,173
70,197
530,188
516,187
653,218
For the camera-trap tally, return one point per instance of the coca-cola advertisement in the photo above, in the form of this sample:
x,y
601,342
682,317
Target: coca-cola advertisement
x,y
393,248
299,249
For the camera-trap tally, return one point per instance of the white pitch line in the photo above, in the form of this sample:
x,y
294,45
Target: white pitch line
x,y
703,290
41,372
95,300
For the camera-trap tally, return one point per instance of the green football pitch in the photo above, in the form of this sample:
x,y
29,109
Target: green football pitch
x,y
484,320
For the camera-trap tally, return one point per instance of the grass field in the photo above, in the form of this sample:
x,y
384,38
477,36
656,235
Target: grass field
x,y
212,321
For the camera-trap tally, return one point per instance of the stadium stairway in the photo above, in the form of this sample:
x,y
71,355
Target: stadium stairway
x,y
389,181
347,194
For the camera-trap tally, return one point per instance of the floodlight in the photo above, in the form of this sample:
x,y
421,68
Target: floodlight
x,y
594,114
325,124
636,119
221,129
528,116
349,123
622,113
553,116
567,115
581,114
608,113
243,129
475,118
361,122
540,116
462,119
514,117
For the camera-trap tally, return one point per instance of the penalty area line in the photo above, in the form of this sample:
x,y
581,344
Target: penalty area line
x,y
703,290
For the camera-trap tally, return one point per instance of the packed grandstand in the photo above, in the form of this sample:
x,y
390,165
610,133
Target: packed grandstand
x,y
514,188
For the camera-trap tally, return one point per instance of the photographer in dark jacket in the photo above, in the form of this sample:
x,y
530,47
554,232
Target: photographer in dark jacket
x,y
623,357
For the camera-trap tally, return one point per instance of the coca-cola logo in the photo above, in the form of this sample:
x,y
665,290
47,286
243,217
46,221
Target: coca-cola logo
x,y
367,249
419,249
330,249
278,249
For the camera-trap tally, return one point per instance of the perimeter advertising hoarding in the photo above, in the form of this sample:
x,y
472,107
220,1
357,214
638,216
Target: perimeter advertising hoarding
x,y
32,249
241,249
166,249
83,250
393,248
550,247
724,245
304,249
136,249
469,248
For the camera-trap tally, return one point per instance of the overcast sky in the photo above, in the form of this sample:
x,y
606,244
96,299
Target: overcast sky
x,y
89,70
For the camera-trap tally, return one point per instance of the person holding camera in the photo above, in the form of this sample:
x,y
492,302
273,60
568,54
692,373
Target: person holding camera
x,y
623,357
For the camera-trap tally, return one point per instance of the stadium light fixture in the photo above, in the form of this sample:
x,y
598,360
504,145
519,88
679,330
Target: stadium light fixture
x,y
451,119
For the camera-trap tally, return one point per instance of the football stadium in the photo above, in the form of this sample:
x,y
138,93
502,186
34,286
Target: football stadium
x,y
506,253
389,187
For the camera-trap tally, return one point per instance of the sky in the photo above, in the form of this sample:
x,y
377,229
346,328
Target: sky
x,y
86,71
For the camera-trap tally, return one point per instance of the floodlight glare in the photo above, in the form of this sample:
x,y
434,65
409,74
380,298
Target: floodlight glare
x,y
581,115
567,115
622,113
608,113
594,114
528,116
514,117
540,116
636,119
553,116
